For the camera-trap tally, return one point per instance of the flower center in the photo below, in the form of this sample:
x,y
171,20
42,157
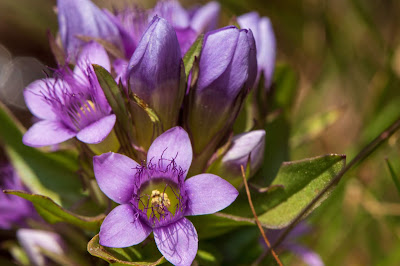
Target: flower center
x,y
86,108
159,199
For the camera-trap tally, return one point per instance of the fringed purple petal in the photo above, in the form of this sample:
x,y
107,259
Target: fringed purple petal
x,y
47,132
96,132
115,174
35,99
92,53
206,17
122,228
177,242
174,144
208,193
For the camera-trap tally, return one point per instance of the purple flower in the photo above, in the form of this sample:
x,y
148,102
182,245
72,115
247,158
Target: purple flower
x,y
265,42
155,197
33,241
155,76
188,25
227,70
82,17
243,145
309,257
72,104
13,209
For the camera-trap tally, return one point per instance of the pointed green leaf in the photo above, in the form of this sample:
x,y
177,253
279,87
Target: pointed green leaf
x,y
54,213
301,180
118,256
53,175
193,52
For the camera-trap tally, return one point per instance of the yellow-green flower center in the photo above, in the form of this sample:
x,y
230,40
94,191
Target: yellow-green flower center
x,y
158,197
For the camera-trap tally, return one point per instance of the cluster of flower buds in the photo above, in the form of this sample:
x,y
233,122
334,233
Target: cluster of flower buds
x,y
148,91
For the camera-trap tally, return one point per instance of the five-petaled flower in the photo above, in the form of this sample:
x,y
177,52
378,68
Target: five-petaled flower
x,y
72,104
155,197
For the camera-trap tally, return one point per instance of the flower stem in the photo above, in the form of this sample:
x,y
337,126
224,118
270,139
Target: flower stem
x,y
364,153
256,218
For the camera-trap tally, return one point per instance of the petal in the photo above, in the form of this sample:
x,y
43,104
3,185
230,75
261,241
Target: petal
x,y
186,37
96,132
208,193
115,175
173,12
178,242
122,228
33,241
156,61
218,49
82,17
45,133
172,144
35,100
206,17
250,143
92,53
310,257
267,52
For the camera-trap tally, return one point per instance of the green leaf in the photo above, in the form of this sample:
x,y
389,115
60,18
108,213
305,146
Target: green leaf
x,y
193,52
53,175
54,213
113,94
118,256
302,181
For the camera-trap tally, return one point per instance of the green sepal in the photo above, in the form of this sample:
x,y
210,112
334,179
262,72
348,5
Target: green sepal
x,y
193,53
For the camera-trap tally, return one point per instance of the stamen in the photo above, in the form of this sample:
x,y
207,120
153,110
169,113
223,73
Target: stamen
x,y
160,201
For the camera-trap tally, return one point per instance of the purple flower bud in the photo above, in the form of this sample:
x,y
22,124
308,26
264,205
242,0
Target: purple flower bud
x,y
14,210
155,197
155,73
265,42
72,104
244,145
32,241
82,17
227,70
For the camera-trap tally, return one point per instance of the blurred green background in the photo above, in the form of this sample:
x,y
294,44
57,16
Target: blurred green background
x,y
347,56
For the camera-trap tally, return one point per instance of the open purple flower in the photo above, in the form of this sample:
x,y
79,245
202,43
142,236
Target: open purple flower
x,y
155,197
72,104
